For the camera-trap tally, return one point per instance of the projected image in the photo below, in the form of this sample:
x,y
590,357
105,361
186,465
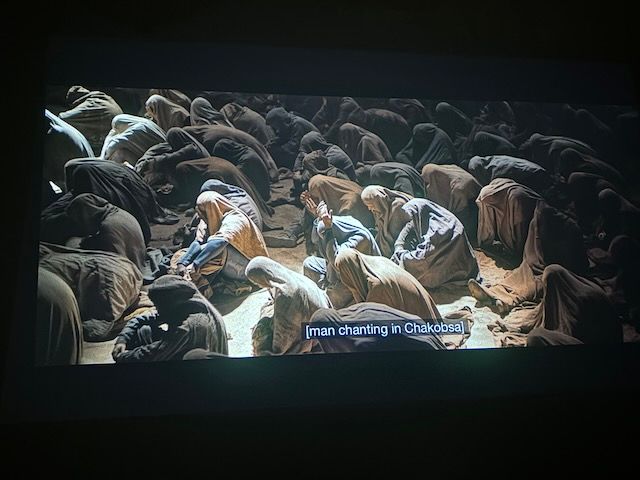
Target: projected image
x,y
181,225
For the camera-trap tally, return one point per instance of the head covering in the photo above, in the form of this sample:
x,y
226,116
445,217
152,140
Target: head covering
x,y
545,150
505,210
341,196
378,279
450,186
245,119
433,246
202,113
429,144
224,220
237,196
295,298
119,185
487,143
105,285
91,113
619,216
192,173
62,142
345,229
247,161
133,134
485,169
362,146
583,190
210,135
176,96
89,211
316,163
176,299
312,141
386,207
571,160
280,120
166,113
398,176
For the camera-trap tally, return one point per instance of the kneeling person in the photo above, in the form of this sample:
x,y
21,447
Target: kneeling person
x,y
183,320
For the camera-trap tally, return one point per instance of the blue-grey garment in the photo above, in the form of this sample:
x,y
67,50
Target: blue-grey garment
x,y
237,196
346,232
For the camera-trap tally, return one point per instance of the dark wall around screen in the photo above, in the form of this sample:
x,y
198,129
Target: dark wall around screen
x,y
531,429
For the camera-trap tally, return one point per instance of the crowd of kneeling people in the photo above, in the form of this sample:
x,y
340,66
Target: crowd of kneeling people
x,y
395,197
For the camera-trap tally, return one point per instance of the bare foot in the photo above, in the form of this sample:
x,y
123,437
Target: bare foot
x,y
480,293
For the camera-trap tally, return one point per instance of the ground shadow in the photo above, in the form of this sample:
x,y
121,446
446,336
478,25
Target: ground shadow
x,y
226,304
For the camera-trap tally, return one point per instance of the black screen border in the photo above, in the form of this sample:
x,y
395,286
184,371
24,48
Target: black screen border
x,y
313,381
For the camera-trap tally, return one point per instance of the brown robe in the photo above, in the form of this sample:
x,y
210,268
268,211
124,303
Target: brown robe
x,y
378,279
209,135
505,209
341,196
295,298
552,238
58,327
105,285
386,207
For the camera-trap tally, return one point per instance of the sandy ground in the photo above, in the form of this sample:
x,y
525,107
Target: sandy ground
x,y
242,313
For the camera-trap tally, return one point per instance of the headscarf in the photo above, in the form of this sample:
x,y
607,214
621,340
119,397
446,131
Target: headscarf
x,y
192,174
411,109
119,185
386,207
295,299
134,134
619,216
571,160
399,177
345,229
378,279
111,229
202,113
89,211
237,196
362,146
176,96
105,284
91,113
314,141
210,135
62,142
341,196
279,120
247,161
245,119
583,188
429,144
545,150
176,299
485,169
226,221
316,163
450,186
389,126
505,210
166,113
433,246
487,143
